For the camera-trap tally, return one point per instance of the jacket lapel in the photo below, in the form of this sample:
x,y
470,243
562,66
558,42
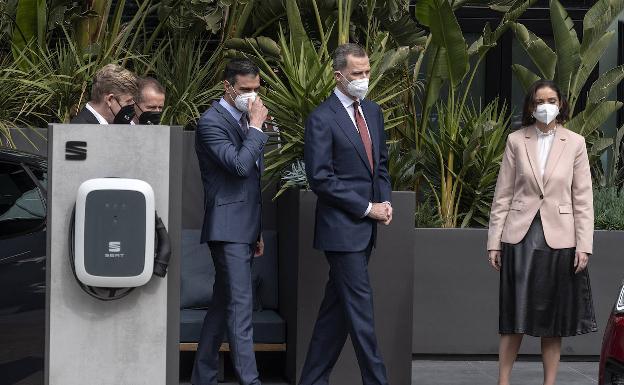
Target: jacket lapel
x,y
230,119
530,143
559,143
346,124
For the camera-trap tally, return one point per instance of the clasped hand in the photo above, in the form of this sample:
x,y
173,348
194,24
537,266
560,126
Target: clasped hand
x,y
381,212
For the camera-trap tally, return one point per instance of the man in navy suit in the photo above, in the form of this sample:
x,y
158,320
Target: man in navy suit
x,y
346,164
229,143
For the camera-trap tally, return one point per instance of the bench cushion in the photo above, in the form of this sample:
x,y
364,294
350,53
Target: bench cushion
x,y
197,273
269,327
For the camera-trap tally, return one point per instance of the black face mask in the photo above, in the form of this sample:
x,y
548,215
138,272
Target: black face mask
x,y
150,117
125,114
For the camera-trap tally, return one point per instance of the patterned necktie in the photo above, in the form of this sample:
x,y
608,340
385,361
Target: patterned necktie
x,y
364,134
243,124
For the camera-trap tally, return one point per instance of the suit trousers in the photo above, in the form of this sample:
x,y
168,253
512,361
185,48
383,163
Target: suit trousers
x,y
347,309
230,310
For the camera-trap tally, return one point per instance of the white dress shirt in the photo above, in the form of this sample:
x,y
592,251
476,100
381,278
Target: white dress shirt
x,y
348,104
544,144
97,115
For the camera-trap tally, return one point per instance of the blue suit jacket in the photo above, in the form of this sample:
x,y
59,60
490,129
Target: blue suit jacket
x,y
232,192
339,173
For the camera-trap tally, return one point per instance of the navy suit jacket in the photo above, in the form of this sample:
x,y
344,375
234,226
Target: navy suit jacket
x,y
339,173
85,116
232,193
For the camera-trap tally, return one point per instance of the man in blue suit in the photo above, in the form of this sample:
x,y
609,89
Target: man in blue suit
x,y
346,164
229,143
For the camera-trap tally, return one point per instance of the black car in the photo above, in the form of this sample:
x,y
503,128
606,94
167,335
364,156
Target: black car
x,y
23,183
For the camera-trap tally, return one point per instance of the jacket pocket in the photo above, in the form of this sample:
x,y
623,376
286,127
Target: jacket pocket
x,y
565,209
229,199
517,205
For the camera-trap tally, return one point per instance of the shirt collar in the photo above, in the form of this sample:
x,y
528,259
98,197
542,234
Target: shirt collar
x,y
346,100
236,114
545,134
97,115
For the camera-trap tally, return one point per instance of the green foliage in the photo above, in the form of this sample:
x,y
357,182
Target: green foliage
x,y
192,81
466,149
608,209
571,63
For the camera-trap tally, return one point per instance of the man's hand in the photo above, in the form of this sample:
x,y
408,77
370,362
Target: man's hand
x,y
387,222
259,248
257,112
380,212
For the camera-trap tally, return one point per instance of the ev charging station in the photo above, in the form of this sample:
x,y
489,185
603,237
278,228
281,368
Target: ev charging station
x,y
114,219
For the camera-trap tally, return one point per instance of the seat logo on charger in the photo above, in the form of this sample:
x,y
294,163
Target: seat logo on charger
x,y
114,250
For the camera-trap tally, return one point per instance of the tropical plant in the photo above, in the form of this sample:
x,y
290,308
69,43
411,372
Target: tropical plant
x,y
466,150
571,63
189,70
608,209
298,76
438,137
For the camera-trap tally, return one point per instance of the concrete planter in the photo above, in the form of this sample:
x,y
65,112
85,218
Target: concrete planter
x,y
303,274
456,293
33,140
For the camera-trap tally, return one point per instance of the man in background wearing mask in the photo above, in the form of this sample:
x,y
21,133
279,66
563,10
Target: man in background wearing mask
x,y
112,97
229,143
346,164
149,101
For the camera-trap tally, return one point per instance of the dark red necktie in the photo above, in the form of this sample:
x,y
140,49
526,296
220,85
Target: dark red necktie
x,y
363,129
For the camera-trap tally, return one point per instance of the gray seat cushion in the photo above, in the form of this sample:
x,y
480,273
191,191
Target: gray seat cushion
x,y
269,327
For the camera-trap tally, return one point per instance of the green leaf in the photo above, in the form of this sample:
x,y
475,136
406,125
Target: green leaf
x,y
423,11
598,19
447,34
588,121
568,46
589,60
295,24
603,86
30,23
525,76
540,53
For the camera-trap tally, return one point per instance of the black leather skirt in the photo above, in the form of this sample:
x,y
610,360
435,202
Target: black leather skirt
x,y
539,293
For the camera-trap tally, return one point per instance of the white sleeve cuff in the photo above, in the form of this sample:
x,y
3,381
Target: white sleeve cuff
x,y
368,210
256,128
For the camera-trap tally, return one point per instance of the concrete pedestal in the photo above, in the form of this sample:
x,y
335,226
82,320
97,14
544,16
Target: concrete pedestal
x,y
134,340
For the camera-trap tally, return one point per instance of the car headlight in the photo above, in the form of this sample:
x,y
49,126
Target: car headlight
x,y
619,305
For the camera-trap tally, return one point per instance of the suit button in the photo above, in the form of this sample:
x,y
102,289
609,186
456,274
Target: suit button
x,y
541,196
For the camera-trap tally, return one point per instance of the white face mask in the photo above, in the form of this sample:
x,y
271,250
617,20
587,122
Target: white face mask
x,y
546,112
241,101
357,88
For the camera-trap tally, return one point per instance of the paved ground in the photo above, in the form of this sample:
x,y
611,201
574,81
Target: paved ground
x,y
426,372
486,373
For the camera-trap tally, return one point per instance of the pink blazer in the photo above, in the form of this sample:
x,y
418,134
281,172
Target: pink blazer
x,y
564,197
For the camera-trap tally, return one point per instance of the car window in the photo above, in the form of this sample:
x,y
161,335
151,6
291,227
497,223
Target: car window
x,y
21,208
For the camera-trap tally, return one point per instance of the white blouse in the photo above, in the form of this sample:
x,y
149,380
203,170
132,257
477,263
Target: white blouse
x,y
544,144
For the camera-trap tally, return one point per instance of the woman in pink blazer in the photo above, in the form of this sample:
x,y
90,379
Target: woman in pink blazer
x,y
541,233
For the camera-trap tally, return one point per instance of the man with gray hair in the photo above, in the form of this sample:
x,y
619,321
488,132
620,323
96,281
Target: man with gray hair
x,y
112,97
149,101
346,164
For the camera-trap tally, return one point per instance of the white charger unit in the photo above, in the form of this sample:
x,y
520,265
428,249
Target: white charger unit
x,y
114,232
